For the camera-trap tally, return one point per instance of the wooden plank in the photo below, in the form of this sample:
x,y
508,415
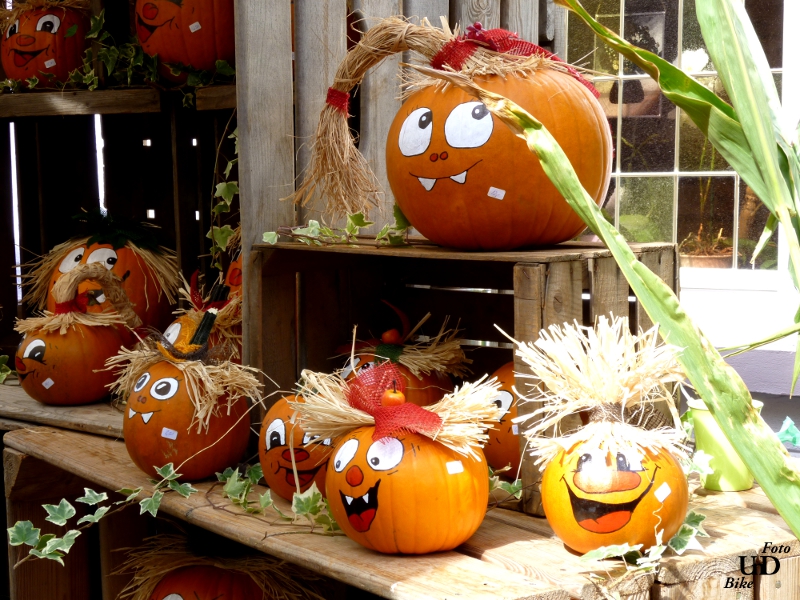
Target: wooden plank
x,y
79,102
521,17
609,289
100,419
712,588
264,92
442,575
563,302
118,531
215,97
416,10
784,584
467,12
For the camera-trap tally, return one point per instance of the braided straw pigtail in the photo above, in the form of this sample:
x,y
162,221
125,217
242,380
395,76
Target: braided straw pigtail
x,y
71,306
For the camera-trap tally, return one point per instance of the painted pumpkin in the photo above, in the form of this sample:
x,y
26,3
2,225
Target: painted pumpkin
x,y
233,277
279,436
592,498
48,40
206,583
406,493
139,281
158,426
422,391
502,449
464,180
194,33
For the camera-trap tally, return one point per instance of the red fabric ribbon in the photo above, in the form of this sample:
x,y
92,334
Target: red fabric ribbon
x,y
338,100
77,304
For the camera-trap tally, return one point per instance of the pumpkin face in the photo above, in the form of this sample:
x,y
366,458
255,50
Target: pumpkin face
x,y
502,449
422,391
138,281
194,33
233,277
464,180
206,583
37,43
405,494
67,369
158,426
594,499
279,436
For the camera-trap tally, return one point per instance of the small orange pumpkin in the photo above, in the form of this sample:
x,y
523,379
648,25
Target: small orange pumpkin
x,y
502,449
592,498
422,391
281,437
206,583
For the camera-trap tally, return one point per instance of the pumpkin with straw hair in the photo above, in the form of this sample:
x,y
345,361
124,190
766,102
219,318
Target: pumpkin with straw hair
x,y
618,478
460,177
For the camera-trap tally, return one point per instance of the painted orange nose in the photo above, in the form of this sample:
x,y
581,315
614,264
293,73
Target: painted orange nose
x,y
150,11
25,40
19,364
142,399
354,476
299,455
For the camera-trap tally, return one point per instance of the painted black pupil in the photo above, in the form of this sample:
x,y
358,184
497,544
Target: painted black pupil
x,y
162,388
274,439
479,112
585,458
47,26
141,382
12,30
37,354
375,461
498,404
78,258
338,464
111,260
425,119
622,462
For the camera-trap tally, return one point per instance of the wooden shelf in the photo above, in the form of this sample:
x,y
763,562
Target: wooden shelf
x,y
512,556
80,102
216,97
18,410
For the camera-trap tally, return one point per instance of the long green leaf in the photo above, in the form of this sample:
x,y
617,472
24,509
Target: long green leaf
x,y
720,387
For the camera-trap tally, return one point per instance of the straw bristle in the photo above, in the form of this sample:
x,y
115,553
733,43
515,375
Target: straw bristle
x,y
160,555
228,322
8,17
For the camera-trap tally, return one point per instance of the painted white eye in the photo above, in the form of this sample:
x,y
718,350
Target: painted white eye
x,y
165,388
35,350
345,455
141,382
13,29
415,134
48,23
351,366
385,454
503,401
631,460
276,434
103,255
591,458
72,260
469,125
172,332
173,597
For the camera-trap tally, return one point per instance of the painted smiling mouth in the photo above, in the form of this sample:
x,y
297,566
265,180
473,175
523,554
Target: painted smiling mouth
x,y
361,510
306,476
145,30
145,416
604,517
460,178
23,58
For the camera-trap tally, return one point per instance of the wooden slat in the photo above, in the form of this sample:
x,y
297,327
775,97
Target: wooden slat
x,y
784,584
100,419
215,97
467,12
118,531
708,589
522,17
105,102
609,291
437,576
432,9
563,301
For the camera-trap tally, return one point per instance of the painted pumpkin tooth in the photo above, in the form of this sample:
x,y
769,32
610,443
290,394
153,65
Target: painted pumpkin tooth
x,y
460,178
349,499
366,498
146,417
427,183
131,413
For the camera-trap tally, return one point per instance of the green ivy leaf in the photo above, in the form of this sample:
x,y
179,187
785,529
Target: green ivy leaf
x,y
617,550
71,31
91,497
309,503
220,235
96,25
223,68
254,473
311,230
680,541
789,433
265,500
329,524
227,190
236,487
109,56
397,240
151,505
701,463
44,540
61,544
184,489
23,532
270,237
235,137
99,513
32,82
225,475
695,521
167,472
401,222
188,100
59,514
130,493
512,489
229,166
56,556
5,370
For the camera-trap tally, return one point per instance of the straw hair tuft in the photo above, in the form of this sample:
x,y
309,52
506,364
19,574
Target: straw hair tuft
x,y
8,17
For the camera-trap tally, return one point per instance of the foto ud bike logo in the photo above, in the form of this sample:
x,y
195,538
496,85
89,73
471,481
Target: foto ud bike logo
x,y
764,564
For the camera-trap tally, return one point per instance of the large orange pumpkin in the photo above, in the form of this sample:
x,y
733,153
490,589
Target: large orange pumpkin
x,y
406,493
193,33
44,41
206,583
422,391
502,449
592,498
464,180
281,437
159,428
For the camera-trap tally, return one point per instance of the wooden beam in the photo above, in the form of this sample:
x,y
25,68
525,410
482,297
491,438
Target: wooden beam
x,y
79,102
215,97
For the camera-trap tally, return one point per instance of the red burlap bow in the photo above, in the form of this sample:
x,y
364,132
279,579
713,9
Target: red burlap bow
x,y
365,392
338,100
77,304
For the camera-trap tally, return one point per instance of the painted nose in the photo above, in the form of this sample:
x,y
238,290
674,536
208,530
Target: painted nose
x,y
354,476
25,40
142,399
19,364
299,455
150,11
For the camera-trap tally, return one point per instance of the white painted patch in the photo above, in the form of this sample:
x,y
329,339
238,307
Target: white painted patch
x,y
48,383
195,27
496,193
515,429
50,63
662,492
168,433
455,467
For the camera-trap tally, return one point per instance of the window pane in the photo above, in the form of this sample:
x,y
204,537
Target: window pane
x,y
752,218
767,19
694,56
584,47
652,25
705,221
696,152
645,209
648,128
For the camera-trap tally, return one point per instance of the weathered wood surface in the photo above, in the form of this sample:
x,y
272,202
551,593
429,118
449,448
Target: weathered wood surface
x,y
467,12
521,17
104,102
18,407
215,97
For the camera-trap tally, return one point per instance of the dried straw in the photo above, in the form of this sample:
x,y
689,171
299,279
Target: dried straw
x,y
66,289
206,383
160,555
466,413
338,171
9,17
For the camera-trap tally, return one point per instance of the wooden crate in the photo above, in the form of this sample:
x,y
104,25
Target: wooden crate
x,y
311,297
